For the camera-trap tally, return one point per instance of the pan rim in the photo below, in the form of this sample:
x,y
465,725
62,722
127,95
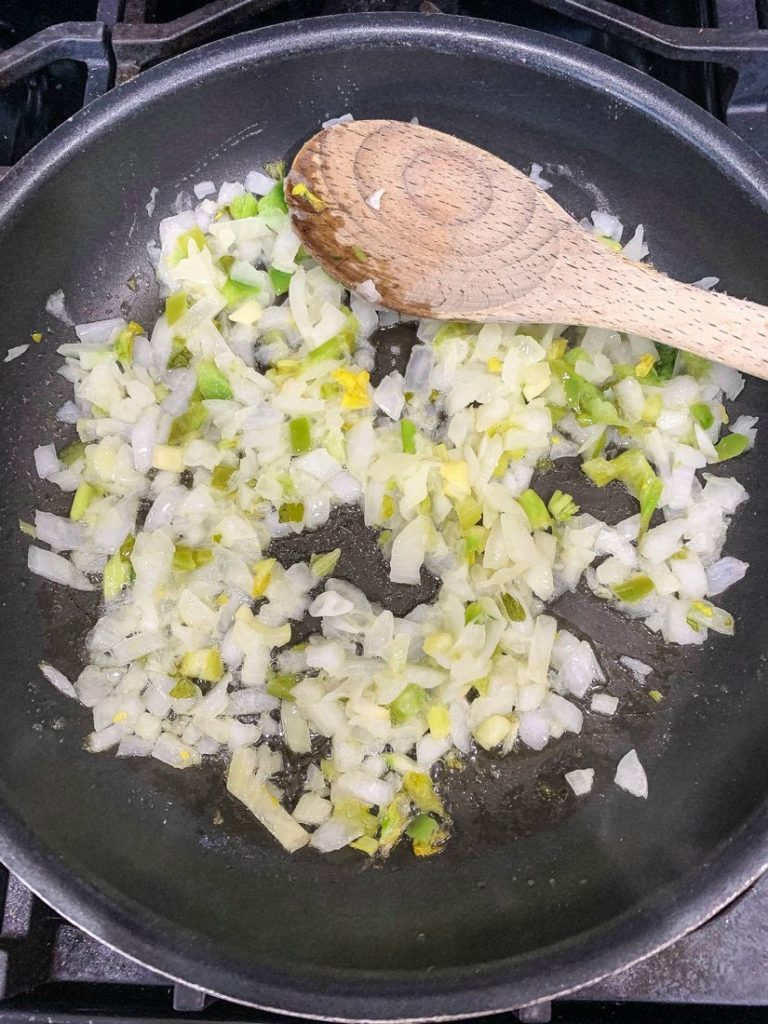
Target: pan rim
x,y
451,992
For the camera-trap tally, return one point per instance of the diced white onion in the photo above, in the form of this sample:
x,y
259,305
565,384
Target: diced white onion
x,y
604,704
367,290
46,461
58,679
374,199
329,604
258,183
581,780
15,352
343,119
723,573
630,775
537,178
57,569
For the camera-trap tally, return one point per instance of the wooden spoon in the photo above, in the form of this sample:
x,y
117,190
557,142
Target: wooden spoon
x,y
461,235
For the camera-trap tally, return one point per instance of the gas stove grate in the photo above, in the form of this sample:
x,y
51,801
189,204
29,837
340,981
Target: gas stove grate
x,y
714,51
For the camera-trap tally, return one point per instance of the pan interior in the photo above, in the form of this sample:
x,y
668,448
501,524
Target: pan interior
x,y
525,873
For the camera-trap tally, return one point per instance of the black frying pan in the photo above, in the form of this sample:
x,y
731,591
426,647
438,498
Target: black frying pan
x,y
535,894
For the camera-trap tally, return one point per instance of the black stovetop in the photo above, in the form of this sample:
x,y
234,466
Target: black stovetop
x,y
56,56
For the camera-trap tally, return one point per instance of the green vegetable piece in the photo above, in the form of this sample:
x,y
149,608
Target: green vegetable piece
x,y
535,509
572,355
340,345
421,828
473,612
360,254
599,410
576,388
665,364
610,243
331,349
599,445
275,169
439,721
221,476
557,412
514,608
83,497
419,788
187,559
562,507
650,495
281,686
469,512
286,482
205,664
27,528
433,845
635,472
118,572
631,467
181,250
695,366
291,512
622,370
393,820
474,541
180,356
324,564
356,812
409,702
703,415
730,446
453,329
585,398
301,438
273,202
185,426
408,436
702,613
123,347
211,381
656,695
365,844
245,205
634,589
235,292
175,307
185,689
281,280
72,453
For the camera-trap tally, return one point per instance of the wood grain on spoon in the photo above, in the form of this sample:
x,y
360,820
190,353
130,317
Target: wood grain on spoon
x,y
461,235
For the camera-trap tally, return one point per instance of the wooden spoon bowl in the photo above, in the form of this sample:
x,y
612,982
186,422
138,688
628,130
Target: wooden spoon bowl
x,y
461,235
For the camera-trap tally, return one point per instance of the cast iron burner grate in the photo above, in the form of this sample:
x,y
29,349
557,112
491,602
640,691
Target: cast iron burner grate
x,y
713,51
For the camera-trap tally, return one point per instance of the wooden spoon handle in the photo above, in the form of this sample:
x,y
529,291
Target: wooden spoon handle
x,y
709,324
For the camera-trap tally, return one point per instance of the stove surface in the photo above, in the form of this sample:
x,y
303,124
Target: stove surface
x,y
56,57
